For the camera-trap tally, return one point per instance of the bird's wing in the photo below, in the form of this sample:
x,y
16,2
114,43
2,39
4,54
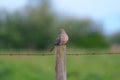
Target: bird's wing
x,y
57,42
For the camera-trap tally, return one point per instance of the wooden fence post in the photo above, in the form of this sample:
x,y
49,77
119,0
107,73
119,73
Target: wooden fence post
x,y
60,67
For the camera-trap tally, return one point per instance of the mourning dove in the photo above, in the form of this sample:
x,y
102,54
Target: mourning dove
x,y
61,39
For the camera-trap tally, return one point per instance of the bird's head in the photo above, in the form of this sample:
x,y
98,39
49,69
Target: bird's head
x,y
62,30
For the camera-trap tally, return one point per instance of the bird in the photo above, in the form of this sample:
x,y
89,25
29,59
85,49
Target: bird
x,y
62,39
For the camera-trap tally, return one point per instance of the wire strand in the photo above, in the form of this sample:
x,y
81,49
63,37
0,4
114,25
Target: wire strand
x,y
29,54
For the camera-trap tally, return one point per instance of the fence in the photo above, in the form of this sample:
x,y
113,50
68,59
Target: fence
x,y
60,64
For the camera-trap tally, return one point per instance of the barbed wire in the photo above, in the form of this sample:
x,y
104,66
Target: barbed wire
x,y
29,54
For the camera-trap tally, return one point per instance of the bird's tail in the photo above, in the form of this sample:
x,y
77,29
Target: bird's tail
x,y
52,48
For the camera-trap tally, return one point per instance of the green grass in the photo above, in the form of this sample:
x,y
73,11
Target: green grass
x,y
99,67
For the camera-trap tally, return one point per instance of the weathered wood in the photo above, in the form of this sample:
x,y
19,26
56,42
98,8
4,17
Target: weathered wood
x,y
60,67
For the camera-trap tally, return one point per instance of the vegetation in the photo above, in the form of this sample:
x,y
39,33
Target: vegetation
x,y
99,67
35,28
115,38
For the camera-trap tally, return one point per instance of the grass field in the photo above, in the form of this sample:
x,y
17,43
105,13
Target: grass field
x,y
95,67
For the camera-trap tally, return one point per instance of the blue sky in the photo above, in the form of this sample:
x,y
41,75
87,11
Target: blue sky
x,y
106,11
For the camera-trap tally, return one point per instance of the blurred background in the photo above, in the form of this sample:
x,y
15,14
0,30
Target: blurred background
x,y
28,24
32,25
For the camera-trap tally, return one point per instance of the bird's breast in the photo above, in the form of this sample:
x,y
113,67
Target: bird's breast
x,y
64,39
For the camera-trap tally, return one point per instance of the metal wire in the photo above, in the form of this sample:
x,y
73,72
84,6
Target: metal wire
x,y
82,54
